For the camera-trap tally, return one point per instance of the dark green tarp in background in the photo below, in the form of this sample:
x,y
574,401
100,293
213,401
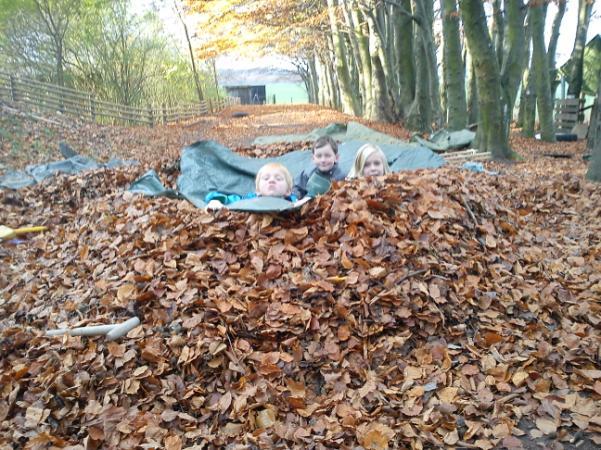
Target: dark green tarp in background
x,y
17,179
340,132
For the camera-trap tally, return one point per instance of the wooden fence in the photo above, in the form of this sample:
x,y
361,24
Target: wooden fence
x,y
50,97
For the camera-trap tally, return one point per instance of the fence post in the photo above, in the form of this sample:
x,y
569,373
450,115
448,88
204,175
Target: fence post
x,y
92,107
150,116
210,106
61,99
13,89
164,109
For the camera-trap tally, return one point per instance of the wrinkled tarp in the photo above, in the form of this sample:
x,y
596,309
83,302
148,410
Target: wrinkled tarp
x,y
208,166
590,67
340,132
33,174
444,140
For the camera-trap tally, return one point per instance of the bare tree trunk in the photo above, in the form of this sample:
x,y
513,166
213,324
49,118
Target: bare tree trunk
x,y
424,14
529,101
314,94
594,137
360,53
215,78
454,76
552,50
381,72
405,56
192,61
491,126
498,25
584,15
332,76
419,116
514,52
347,97
541,73
472,90
527,83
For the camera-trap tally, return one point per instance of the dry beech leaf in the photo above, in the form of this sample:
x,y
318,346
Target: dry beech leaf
x,y
126,292
266,418
547,426
448,394
374,436
173,443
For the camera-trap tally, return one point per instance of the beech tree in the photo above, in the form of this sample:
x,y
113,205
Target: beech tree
x,y
492,134
594,137
552,49
378,58
540,65
454,73
514,54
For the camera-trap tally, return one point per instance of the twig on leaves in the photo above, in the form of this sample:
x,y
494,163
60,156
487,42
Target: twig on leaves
x,y
469,210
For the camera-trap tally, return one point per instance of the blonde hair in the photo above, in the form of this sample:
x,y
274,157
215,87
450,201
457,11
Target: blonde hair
x,y
365,152
274,166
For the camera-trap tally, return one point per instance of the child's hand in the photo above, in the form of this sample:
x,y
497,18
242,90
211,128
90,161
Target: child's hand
x,y
214,205
302,201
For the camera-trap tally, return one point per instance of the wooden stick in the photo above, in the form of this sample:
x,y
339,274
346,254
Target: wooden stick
x,y
469,210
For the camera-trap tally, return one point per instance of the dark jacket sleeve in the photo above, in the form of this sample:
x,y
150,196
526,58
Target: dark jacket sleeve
x,y
300,184
337,173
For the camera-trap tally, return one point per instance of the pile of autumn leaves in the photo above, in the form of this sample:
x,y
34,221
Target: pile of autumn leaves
x,y
417,311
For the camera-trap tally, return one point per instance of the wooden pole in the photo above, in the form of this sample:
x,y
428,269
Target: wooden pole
x,y
92,107
150,116
13,89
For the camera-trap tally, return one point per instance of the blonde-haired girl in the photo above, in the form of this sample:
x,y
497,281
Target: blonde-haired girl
x,y
273,179
370,161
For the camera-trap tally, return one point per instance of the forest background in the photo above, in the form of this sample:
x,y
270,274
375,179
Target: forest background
x,y
427,64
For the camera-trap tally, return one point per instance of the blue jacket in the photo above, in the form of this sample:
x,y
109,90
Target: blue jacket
x,y
228,199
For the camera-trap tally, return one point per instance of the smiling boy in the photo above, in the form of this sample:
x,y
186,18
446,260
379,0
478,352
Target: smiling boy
x,y
325,161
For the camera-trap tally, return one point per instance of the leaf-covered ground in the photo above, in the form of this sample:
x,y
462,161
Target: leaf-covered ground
x,y
431,309
25,139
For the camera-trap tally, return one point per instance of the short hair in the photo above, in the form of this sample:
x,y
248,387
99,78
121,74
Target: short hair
x,y
364,152
276,166
323,141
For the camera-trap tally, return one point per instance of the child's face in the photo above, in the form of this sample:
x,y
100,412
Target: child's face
x,y
273,183
374,166
324,158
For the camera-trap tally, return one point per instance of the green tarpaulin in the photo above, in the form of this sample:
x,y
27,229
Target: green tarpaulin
x,y
590,68
208,166
17,179
444,140
340,132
